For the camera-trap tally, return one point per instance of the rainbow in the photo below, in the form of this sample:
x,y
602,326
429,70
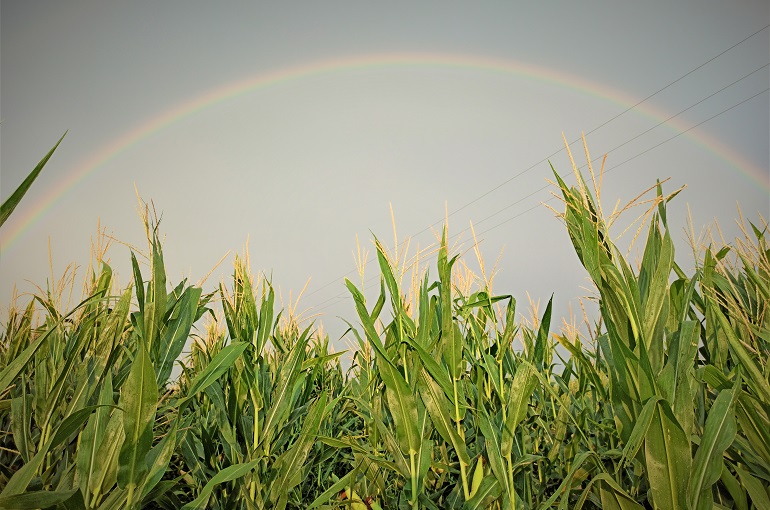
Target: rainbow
x,y
42,204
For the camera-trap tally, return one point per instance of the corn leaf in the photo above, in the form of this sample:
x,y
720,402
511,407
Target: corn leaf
x,y
36,499
176,333
11,202
524,383
718,435
222,362
226,475
667,455
138,399
488,491
292,460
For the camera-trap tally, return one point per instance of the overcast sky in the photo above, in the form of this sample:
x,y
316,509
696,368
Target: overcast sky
x,y
296,125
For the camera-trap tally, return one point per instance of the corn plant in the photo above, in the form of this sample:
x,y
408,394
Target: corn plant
x,y
453,400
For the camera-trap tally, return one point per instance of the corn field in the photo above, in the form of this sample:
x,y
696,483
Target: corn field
x,y
452,400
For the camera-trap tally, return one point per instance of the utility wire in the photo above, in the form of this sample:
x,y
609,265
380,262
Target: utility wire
x,y
630,140
343,296
625,161
538,190
614,167
544,160
495,188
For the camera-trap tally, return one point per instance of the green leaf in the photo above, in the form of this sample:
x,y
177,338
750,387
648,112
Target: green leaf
x,y
752,419
612,495
440,410
402,406
291,461
390,280
401,401
718,435
334,490
657,266
451,341
639,431
155,304
524,383
11,202
226,475
265,320
567,482
434,368
613,500
755,488
70,425
282,394
667,455
494,453
93,436
14,368
755,379
139,400
158,492
21,421
214,370
159,458
398,464
177,331
677,379
21,478
115,501
541,343
138,283
488,491
35,499
735,489
104,471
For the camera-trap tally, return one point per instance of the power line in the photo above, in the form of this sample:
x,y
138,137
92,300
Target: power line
x,y
538,190
690,128
596,128
614,167
343,296
680,78
544,160
632,139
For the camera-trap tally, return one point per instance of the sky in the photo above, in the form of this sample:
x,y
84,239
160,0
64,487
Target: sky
x,y
295,127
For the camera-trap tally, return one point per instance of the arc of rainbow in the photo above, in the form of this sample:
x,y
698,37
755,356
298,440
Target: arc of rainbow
x,y
240,87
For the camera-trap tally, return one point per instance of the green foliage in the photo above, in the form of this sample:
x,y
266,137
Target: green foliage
x,y
451,402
